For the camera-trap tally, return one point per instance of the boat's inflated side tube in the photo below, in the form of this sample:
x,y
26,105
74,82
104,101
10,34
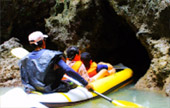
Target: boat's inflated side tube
x,y
112,80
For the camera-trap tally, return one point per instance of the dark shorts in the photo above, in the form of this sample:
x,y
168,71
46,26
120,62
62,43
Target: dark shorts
x,y
65,86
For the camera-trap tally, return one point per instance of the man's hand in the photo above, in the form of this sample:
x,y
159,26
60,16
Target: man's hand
x,y
28,88
89,86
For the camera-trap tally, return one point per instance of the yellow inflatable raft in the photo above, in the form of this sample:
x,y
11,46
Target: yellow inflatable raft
x,y
80,94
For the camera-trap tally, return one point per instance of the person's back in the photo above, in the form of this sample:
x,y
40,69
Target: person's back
x,y
73,60
38,67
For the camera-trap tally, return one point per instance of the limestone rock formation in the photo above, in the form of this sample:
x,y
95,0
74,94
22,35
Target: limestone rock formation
x,y
157,76
9,70
151,21
74,23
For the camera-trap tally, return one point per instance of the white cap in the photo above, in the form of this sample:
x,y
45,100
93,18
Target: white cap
x,y
36,36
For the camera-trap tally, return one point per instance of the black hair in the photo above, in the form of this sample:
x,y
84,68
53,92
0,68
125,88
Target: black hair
x,y
85,58
39,44
71,52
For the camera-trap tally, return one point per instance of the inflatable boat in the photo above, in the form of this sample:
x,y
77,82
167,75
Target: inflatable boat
x,y
80,93
74,96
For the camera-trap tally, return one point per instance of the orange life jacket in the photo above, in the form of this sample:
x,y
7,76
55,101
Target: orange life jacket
x,y
92,70
75,67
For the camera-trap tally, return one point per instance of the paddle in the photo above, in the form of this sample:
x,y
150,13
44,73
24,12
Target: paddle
x,y
21,52
120,103
120,66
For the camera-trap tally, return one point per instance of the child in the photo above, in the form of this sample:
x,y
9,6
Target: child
x,y
74,61
95,70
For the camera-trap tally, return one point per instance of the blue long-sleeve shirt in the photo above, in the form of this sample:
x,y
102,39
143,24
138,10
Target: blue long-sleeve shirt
x,y
38,72
69,71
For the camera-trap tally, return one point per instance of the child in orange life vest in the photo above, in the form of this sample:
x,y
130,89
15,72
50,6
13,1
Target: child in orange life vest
x,y
95,70
74,61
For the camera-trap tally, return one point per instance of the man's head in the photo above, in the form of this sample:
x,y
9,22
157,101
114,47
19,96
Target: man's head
x,y
37,38
73,52
86,59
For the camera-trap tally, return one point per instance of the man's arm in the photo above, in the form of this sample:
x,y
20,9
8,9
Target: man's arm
x,y
70,72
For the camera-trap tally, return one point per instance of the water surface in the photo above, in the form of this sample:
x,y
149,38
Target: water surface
x,y
128,93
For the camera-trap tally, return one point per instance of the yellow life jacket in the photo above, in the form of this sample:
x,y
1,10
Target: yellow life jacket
x,y
75,67
92,70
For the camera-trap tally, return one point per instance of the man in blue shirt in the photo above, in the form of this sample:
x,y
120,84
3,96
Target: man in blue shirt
x,y
42,69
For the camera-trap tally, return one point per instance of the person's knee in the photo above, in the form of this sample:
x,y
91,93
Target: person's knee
x,y
112,71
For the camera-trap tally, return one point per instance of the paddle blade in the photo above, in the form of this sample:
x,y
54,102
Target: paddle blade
x,y
122,103
19,52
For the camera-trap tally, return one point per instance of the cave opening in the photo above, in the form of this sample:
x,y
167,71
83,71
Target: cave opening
x,y
118,43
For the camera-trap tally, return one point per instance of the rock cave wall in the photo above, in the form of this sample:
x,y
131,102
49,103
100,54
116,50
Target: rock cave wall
x,y
151,20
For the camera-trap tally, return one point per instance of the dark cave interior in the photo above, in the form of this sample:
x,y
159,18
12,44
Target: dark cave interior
x,y
117,42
